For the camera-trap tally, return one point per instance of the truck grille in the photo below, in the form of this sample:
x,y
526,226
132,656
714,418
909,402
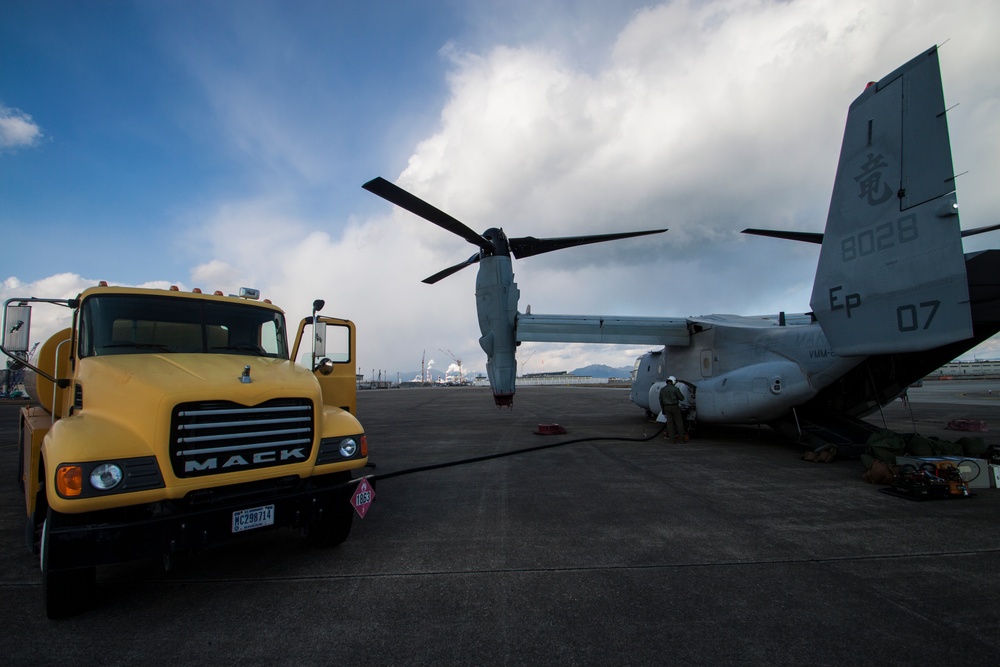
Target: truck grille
x,y
213,437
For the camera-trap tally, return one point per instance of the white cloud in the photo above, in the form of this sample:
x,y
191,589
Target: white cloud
x,y
706,118
217,272
17,129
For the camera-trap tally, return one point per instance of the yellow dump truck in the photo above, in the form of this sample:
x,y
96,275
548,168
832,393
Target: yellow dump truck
x,y
169,421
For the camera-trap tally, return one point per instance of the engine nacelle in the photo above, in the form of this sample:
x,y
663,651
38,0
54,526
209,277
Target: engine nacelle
x,y
648,369
653,396
496,305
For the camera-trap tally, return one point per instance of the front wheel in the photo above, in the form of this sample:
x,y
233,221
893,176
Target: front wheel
x,y
67,592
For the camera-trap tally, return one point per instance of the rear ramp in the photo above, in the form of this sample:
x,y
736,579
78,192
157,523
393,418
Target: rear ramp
x,y
821,430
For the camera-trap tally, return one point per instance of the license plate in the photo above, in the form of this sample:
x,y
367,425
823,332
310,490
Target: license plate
x,y
255,517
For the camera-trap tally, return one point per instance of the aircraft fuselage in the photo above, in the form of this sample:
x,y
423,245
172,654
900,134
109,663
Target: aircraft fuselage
x,y
746,369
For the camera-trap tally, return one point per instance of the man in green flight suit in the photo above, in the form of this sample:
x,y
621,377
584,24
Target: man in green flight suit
x,y
670,403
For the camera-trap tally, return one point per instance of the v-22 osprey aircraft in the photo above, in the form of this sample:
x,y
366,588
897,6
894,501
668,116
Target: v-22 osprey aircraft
x,y
894,296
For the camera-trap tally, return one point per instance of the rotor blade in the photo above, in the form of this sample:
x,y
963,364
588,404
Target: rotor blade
x,y
450,270
528,246
808,237
403,199
979,230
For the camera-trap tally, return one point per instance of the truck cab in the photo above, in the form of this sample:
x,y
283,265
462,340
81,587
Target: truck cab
x,y
171,421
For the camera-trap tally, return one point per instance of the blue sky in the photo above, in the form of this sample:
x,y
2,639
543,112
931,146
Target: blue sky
x,y
150,109
219,144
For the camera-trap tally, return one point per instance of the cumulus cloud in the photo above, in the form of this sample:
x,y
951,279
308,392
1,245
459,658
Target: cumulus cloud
x,y
702,111
217,272
17,129
704,117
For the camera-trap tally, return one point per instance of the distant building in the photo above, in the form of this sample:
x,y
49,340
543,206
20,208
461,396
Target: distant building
x,y
560,378
967,369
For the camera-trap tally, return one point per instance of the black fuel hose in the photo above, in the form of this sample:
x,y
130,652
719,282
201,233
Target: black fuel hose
x,y
525,450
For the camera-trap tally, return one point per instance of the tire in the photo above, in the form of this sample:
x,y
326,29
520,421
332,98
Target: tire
x,y
334,526
33,534
66,592
20,454
33,524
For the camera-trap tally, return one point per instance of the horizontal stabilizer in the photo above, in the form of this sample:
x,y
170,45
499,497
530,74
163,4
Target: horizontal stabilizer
x,y
817,237
807,237
979,230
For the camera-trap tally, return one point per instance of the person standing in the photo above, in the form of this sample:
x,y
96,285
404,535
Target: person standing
x,y
670,403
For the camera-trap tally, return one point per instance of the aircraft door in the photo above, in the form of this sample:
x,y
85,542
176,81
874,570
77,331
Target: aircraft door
x,y
706,363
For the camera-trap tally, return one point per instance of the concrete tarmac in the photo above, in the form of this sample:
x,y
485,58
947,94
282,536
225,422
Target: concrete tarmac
x,y
614,549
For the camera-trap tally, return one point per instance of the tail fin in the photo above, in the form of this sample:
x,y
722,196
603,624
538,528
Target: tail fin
x,y
891,273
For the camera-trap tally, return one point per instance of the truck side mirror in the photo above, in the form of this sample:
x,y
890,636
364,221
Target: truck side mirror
x,y
319,339
18,327
325,366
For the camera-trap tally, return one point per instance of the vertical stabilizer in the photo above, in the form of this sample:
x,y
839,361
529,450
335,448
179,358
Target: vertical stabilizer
x,y
891,273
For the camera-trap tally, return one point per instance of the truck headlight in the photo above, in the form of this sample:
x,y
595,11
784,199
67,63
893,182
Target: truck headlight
x,y
348,447
98,478
338,449
106,476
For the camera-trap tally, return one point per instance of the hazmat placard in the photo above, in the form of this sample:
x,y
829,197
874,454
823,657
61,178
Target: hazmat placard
x,y
363,497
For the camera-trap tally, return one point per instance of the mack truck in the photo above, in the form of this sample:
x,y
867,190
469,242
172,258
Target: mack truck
x,y
167,422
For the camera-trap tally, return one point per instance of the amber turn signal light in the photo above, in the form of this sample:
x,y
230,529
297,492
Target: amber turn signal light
x,y
69,480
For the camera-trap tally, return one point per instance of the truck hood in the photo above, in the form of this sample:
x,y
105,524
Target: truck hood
x,y
132,396
124,403
200,374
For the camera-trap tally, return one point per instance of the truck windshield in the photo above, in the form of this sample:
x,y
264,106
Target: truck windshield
x,y
146,324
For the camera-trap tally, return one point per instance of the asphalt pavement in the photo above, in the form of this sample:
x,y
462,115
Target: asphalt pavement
x,y
611,549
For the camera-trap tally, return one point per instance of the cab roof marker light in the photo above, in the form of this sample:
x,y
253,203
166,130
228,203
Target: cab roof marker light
x,y
196,290
102,283
174,288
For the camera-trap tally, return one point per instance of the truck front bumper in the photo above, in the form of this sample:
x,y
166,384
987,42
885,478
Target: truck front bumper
x,y
196,523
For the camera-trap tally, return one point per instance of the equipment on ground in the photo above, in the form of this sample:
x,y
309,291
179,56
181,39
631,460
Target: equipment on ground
x,y
929,481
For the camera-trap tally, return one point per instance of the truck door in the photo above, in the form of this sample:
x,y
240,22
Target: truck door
x,y
331,358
